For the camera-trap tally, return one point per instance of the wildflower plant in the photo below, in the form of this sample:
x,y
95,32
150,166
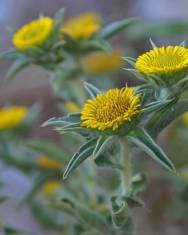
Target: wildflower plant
x,y
104,131
111,123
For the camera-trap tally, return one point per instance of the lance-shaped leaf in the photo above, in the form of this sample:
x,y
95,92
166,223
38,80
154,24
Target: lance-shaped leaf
x,y
155,106
84,152
114,28
144,141
58,19
89,217
102,142
71,118
120,211
96,44
160,120
92,90
48,148
16,67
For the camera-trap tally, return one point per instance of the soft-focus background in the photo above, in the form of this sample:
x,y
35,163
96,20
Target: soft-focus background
x,y
32,85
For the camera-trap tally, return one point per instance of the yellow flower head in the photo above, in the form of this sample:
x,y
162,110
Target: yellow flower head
x,y
51,187
12,116
163,60
47,163
185,118
33,33
102,62
71,107
110,109
82,26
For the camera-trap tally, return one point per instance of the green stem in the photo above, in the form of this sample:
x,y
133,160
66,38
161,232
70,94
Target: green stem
x,y
126,163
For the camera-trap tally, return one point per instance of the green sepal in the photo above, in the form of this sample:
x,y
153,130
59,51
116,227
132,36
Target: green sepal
x,y
91,89
131,61
143,140
116,27
83,153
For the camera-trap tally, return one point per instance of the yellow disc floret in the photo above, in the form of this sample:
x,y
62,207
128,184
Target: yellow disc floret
x,y
33,33
12,116
163,60
102,62
82,26
111,109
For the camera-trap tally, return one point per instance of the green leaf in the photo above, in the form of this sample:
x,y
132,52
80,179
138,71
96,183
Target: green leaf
x,y
102,141
163,118
120,211
47,148
144,141
11,54
84,152
89,216
37,184
155,106
4,199
16,67
58,19
115,28
92,90
71,118
96,44
156,29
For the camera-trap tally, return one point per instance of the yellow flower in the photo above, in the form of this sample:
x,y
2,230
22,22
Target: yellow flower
x,y
82,26
71,107
185,118
33,33
102,62
12,116
51,187
163,60
47,163
110,109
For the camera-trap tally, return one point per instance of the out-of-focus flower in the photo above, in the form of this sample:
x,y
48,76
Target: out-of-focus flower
x,y
33,33
163,60
47,163
51,187
102,62
111,109
82,26
12,116
71,107
185,118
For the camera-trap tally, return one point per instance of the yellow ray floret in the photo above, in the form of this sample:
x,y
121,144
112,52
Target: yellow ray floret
x,y
110,109
102,62
47,163
82,26
12,116
163,60
33,33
